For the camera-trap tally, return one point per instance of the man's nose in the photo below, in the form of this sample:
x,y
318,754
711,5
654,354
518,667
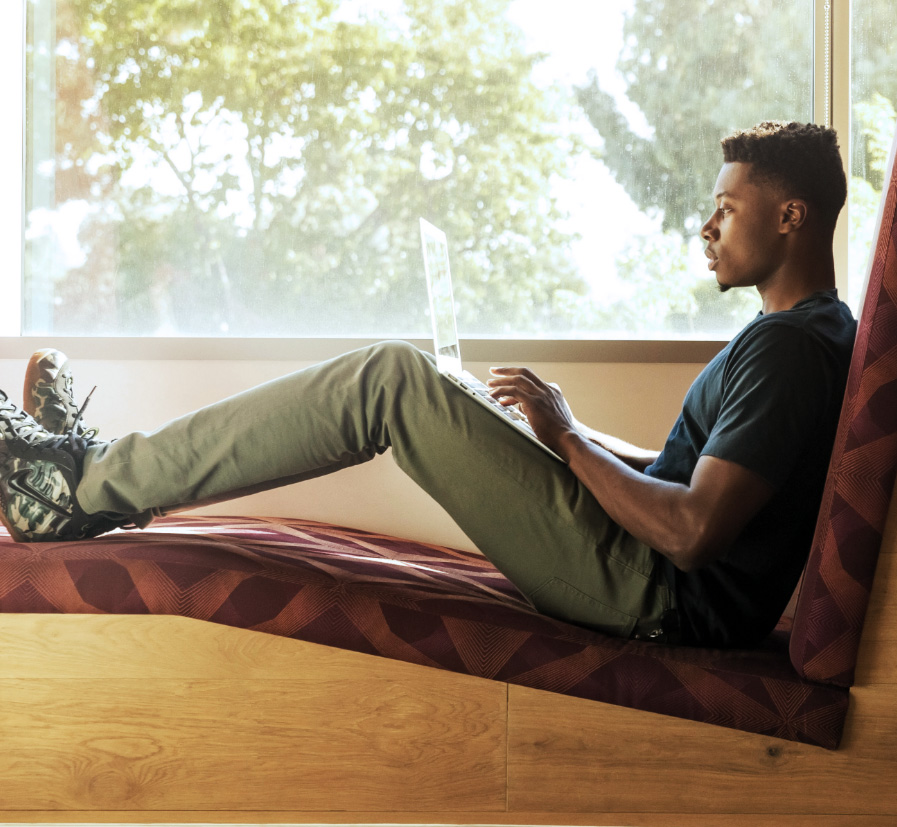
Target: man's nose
x,y
708,231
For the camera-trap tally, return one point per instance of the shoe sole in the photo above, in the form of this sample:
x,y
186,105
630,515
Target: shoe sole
x,y
14,533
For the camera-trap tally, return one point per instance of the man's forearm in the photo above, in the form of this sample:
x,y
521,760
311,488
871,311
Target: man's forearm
x,y
691,525
655,511
635,457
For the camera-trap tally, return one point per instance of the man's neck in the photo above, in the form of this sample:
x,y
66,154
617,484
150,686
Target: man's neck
x,y
810,274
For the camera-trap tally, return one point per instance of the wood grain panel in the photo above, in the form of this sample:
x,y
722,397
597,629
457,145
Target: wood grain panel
x,y
877,660
324,729
421,817
568,755
149,647
877,655
881,619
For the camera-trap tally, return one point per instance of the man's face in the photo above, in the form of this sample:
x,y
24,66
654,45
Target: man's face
x,y
744,243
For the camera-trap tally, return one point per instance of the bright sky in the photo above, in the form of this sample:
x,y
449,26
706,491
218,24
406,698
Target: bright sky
x,y
578,37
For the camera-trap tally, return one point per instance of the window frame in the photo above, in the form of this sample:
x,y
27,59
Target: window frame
x,y
314,349
831,104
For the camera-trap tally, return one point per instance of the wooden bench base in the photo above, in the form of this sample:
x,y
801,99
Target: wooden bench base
x,y
155,719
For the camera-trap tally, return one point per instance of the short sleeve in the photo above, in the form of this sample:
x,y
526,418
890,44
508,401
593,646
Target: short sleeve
x,y
776,388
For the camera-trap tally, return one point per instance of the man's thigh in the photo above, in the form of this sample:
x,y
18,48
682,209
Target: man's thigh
x,y
533,519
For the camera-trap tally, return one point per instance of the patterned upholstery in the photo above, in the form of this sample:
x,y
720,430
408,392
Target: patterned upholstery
x,y
408,601
838,578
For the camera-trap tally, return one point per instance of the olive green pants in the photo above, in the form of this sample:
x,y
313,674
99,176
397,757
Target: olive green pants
x,y
523,509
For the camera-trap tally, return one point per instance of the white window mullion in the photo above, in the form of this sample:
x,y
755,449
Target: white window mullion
x,y
831,103
822,62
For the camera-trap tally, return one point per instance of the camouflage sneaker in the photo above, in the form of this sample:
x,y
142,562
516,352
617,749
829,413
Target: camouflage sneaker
x,y
39,473
49,395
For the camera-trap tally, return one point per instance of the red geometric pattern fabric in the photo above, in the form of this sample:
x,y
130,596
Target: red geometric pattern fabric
x,y
408,601
837,583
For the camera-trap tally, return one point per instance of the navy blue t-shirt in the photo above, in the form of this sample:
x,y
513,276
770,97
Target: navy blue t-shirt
x,y
770,402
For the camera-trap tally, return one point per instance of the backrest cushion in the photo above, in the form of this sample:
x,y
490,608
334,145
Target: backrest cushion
x,y
837,582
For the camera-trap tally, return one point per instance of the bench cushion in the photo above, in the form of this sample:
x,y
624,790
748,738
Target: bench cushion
x,y
408,601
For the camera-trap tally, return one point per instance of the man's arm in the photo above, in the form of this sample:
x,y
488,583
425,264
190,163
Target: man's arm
x,y
635,457
632,455
690,524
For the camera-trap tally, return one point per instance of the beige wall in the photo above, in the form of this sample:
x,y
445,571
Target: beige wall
x,y
637,402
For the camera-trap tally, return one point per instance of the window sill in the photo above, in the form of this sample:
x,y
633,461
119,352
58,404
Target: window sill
x,y
507,351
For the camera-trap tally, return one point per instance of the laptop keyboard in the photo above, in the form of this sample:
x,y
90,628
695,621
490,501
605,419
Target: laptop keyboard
x,y
470,384
469,381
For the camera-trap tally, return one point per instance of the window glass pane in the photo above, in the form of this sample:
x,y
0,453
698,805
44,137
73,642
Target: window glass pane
x,y
873,93
11,62
257,167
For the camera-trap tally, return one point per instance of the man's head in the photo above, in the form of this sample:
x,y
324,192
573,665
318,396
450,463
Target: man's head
x,y
777,197
802,159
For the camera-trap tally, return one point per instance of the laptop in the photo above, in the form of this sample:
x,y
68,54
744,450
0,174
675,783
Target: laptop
x,y
445,334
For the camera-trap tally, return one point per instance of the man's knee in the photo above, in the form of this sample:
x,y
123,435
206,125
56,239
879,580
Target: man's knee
x,y
399,353
405,372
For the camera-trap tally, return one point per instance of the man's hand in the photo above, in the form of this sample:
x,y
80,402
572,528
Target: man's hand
x,y
542,403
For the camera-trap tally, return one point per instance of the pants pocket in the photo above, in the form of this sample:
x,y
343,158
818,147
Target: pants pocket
x,y
558,599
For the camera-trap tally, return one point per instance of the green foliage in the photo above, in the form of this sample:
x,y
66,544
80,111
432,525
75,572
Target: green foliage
x,y
259,165
269,160
874,121
697,70
873,66
667,297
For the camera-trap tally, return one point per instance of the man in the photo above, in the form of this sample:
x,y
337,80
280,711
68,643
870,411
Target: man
x,y
701,543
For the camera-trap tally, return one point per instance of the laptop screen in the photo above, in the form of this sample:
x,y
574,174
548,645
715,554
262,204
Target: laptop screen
x,y
442,306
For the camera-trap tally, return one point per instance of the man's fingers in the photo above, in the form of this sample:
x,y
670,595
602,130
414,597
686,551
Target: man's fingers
x,y
514,371
513,375
506,394
517,390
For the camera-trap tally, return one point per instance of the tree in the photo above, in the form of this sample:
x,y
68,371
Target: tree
x,y
750,62
875,120
267,162
695,82
874,66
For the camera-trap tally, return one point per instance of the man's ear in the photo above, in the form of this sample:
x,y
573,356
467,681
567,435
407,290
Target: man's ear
x,y
793,215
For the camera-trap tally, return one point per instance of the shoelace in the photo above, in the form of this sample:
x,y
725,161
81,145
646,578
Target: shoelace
x,y
14,422
86,433
27,429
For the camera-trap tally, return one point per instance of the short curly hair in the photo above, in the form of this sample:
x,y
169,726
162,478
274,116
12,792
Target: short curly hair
x,y
802,158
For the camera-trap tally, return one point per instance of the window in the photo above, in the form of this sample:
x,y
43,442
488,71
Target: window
x,y
873,94
256,168
11,47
